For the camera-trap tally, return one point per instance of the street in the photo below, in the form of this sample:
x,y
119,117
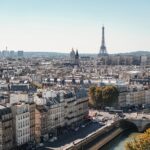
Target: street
x,y
101,119
71,136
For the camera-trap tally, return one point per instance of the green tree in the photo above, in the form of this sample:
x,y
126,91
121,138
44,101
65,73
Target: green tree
x,y
100,96
140,142
92,96
110,95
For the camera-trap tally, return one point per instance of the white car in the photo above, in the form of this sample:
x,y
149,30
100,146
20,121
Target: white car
x,y
41,144
55,138
76,129
83,126
52,140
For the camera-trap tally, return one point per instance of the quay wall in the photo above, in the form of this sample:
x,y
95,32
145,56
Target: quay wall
x,y
107,139
80,144
105,134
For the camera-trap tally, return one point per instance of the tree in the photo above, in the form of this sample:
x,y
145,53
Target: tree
x,y
106,95
140,142
99,96
92,96
110,95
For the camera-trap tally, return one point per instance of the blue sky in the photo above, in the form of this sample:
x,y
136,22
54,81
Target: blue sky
x,y
59,25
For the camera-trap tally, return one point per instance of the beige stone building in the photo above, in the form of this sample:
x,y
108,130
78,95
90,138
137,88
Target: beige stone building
x,y
56,109
32,107
134,98
6,130
76,109
55,116
122,99
41,126
21,123
16,97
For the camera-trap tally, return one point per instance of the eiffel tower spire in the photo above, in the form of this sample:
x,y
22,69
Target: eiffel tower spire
x,y
103,51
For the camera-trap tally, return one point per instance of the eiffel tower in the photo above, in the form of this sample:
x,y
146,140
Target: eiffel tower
x,y
103,51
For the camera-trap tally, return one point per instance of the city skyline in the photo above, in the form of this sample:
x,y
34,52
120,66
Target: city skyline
x,y
57,26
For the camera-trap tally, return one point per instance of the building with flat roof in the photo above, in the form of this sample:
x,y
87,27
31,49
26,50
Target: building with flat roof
x,y
20,54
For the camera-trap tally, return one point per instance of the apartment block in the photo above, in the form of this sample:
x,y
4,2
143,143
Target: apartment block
x,y
21,123
6,128
41,127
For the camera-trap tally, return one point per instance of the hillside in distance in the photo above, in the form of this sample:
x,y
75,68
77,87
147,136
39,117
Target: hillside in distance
x,y
137,53
59,54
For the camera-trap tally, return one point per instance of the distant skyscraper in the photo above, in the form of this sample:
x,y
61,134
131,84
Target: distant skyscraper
x,y
12,54
103,51
5,53
20,54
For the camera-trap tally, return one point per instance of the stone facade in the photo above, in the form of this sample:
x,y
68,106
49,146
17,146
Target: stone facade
x,y
6,128
41,126
21,123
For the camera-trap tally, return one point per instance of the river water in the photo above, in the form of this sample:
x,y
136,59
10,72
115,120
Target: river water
x,y
119,142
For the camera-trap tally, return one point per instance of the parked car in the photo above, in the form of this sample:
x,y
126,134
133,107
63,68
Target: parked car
x,y
55,138
76,129
51,140
102,124
40,145
82,125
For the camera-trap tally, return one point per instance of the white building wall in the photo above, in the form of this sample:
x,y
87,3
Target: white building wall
x,y
135,98
17,97
22,124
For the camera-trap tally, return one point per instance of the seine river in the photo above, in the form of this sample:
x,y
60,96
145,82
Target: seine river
x,y
119,142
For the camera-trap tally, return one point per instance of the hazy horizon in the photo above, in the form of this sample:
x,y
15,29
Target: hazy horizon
x,y
57,26
36,51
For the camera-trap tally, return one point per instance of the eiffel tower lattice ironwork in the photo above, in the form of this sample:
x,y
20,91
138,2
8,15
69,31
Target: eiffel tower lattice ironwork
x,y
103,50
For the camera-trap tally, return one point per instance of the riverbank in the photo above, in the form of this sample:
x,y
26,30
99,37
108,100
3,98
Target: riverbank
x,y
107,139
98,139
119,142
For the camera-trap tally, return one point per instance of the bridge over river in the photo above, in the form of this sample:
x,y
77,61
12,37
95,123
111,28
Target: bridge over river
x,y
114,127
141,120
97,140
